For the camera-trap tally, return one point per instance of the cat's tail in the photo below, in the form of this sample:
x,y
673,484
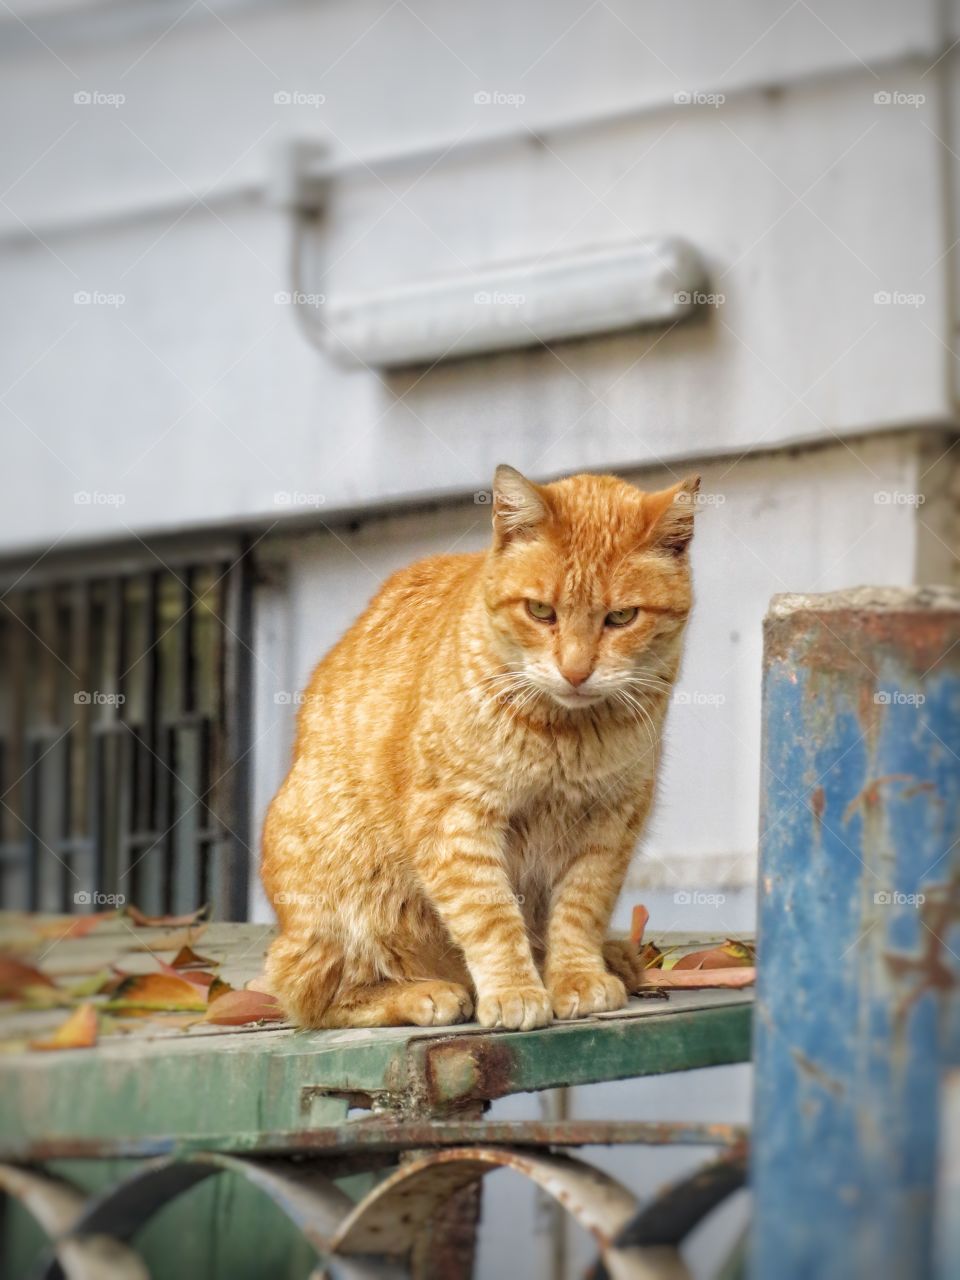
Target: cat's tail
x,y
305,977
623,961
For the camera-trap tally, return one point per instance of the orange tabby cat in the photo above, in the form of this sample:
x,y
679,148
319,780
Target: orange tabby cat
x,y
474,763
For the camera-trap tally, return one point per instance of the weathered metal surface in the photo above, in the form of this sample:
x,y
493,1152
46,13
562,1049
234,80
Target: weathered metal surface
x,y
304,1195
673,1214
463,1069
947,1240
56,1205
858,1007
230,1084
382,1134
390,1219
158,1090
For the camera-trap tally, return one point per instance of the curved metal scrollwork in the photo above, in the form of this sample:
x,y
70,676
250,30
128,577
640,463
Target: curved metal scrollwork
x,y
371,1239
56,1206
665,1222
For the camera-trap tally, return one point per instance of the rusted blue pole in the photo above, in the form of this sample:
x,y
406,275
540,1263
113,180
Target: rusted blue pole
x,y
858,1007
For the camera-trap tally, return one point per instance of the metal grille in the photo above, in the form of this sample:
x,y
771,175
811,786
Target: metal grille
x,y
124,737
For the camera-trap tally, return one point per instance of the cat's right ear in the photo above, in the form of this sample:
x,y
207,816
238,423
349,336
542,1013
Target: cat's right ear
x,y
518,506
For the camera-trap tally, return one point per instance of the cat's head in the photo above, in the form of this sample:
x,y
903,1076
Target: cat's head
x,y
588,584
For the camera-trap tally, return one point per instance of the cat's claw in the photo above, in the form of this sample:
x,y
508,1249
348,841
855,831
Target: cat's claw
x,y
576,995
518,1008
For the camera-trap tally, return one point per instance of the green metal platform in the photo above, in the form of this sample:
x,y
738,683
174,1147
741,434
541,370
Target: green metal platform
x,y
355,1100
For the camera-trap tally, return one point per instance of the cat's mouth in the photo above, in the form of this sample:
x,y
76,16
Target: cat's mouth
x,y
575,698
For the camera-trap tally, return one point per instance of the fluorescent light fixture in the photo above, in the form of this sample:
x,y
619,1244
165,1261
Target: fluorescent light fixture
x,y
653,281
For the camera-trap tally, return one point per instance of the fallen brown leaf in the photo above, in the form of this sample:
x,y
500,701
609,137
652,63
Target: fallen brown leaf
x,y
15,977
72,926
638,923
217,989
38,997
187,958
236,1008
696,978
198,977
144,921
96,984
171,940
78,1032
157,991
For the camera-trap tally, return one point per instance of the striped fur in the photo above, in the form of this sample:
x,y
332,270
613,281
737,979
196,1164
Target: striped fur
x,y
469,781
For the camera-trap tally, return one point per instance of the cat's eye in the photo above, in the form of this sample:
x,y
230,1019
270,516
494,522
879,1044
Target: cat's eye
x,y
621,617
542,611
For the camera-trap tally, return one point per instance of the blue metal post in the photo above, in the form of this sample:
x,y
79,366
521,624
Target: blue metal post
x,y
858,1007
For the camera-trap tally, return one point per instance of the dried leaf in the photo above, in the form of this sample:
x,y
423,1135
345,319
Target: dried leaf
x,y
237,1008
78,1032
693,979
651,957
746,950
197,976
217,989
732,955
145,921
38,997
15,977
72,926
187,958
97,984
157,991
638,923
171,940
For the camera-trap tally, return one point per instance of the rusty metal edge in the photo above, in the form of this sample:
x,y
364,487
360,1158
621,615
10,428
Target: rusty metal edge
x,y
384,1135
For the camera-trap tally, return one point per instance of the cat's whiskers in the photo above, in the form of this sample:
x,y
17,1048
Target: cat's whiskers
x,y
640,713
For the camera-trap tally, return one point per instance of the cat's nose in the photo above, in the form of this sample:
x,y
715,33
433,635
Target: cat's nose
x,y
575,675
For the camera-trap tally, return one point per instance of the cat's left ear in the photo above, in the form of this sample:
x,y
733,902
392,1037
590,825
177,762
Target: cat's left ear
x,y
518,506
670,515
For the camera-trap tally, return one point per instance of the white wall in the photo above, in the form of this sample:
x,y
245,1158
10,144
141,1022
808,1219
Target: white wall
x,y
199,398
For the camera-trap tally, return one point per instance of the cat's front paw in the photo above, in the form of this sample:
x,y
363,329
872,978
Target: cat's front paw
x,y
519,1008
575,995
433,1003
